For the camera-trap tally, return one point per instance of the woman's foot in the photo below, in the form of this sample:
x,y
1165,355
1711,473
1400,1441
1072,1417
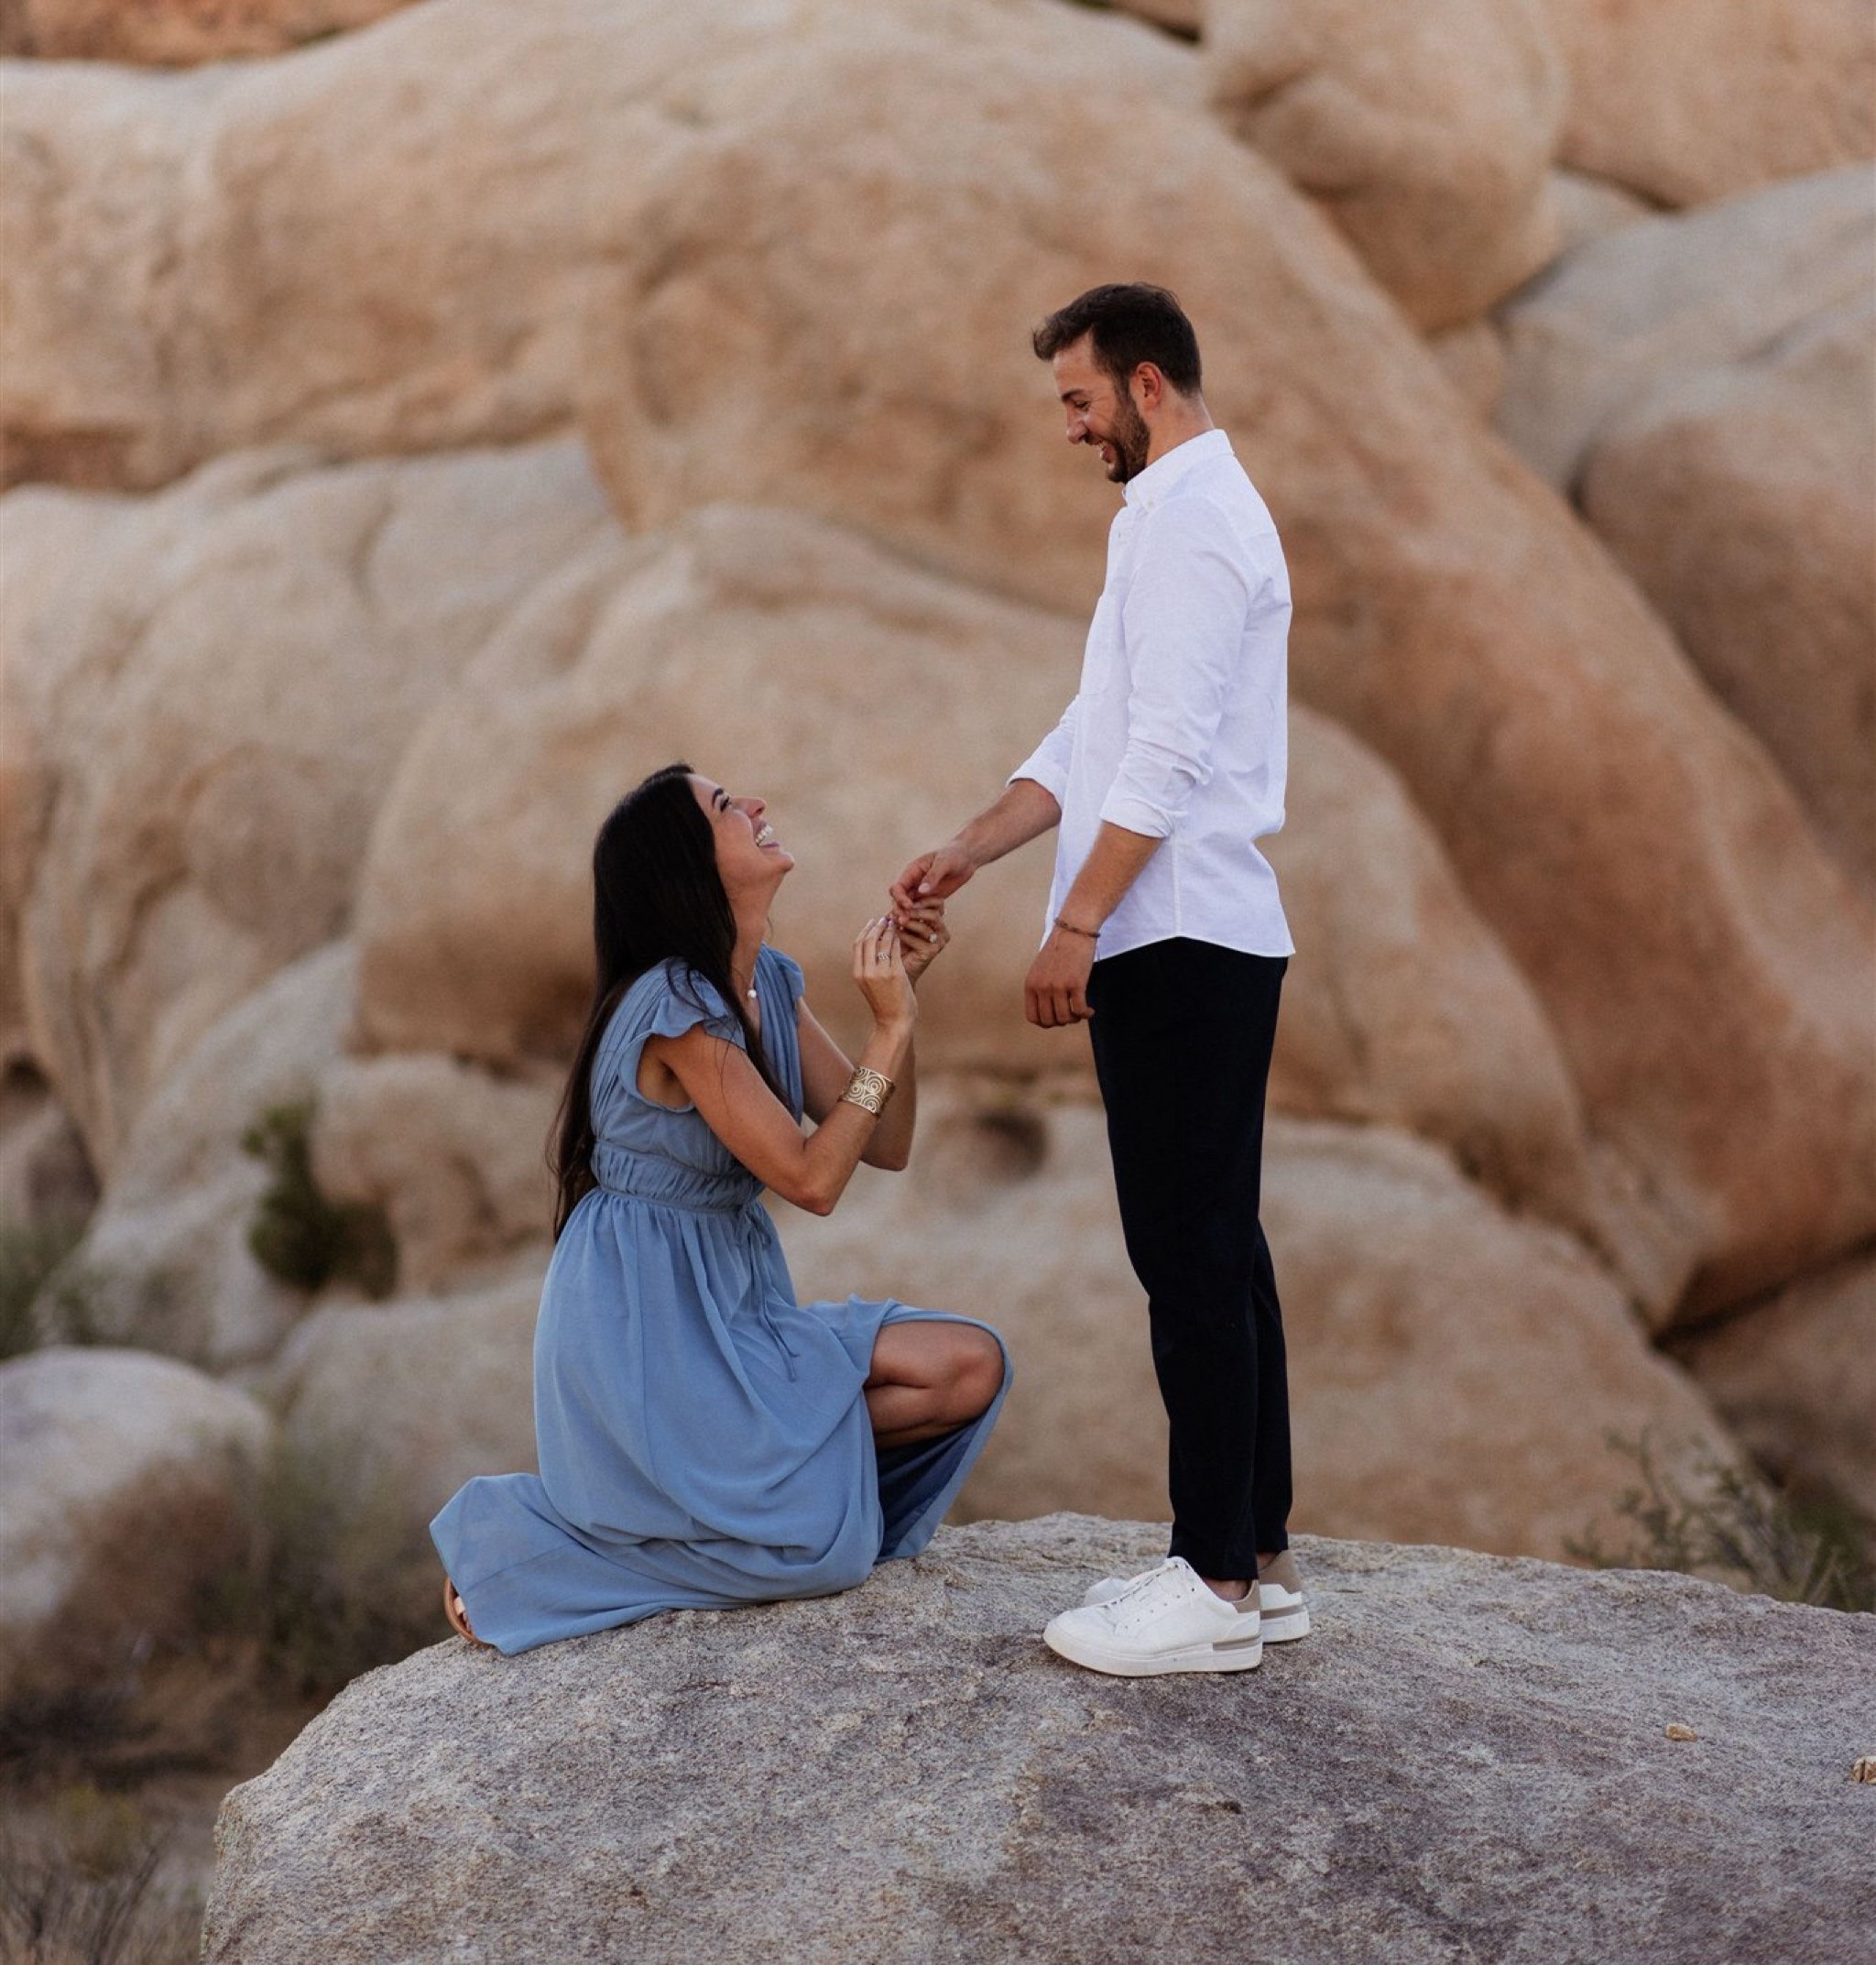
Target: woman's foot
x,y
458,1615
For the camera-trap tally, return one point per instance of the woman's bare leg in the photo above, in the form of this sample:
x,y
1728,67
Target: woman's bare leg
x,y
929,1376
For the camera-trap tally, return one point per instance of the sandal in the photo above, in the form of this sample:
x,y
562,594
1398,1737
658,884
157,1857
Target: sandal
x,y
457,1612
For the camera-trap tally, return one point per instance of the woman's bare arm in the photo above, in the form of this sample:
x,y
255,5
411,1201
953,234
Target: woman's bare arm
x,y
730,1096
826,1070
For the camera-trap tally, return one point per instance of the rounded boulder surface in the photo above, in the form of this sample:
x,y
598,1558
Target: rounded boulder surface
x,y
175,33
1689,100
1795,1378
1599,808
1426,131
122,1475
1702,384
1465,1759
1455,1370
1743,501
187,800
166,1262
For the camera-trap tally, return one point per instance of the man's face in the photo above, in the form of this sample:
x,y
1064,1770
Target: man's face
x,y
1098,413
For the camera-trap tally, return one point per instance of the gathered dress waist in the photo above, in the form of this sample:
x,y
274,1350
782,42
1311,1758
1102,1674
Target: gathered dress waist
x,y
668,1183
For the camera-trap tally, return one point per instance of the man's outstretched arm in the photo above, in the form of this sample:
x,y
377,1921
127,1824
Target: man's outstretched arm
x,y
1025,812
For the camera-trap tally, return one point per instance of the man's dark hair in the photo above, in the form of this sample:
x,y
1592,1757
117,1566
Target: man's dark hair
x,y
1130,324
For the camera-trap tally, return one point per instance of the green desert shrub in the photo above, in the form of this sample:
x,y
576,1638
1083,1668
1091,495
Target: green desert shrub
x,y
297,1233
30,1256
1727,1523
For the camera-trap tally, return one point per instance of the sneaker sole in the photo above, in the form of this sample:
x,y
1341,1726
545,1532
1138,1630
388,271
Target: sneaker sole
x,y
1245,1655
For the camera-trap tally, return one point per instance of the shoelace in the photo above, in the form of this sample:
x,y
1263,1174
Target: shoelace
x,y
1132,1605
1165,1587
1140,1582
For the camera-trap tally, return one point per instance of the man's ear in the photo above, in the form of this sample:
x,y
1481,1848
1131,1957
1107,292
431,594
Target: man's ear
x,y
1149,386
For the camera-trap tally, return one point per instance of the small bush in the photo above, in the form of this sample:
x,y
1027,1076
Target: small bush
x,y
81,1891
1736,1528
298,1235
30,1254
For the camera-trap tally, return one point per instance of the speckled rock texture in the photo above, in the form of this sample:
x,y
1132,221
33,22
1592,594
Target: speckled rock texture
x,y
1468,1761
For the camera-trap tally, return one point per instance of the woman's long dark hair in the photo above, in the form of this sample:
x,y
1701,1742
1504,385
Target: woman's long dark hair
x,y
656,895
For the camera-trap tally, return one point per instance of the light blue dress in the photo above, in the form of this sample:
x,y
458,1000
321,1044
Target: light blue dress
x,y
703,1439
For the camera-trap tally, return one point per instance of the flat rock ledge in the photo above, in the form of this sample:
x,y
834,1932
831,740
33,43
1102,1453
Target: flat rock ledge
x,y
1468,1761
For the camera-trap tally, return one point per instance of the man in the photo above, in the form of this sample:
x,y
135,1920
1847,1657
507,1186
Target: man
x,y
1165,929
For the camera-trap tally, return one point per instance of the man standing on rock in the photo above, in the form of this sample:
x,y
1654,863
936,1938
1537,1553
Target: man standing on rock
x,y
1166,930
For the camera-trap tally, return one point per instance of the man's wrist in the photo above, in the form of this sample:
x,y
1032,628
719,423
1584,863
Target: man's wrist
x,y
1069,927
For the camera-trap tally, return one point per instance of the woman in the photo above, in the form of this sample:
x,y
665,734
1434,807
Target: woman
x,y
704,1440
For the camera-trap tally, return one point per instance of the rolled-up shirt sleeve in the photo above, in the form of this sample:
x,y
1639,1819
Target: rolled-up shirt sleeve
x,y
1048,763
1184,615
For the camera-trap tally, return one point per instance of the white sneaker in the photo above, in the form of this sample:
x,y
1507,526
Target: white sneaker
x,y
1283,1616
1168,1620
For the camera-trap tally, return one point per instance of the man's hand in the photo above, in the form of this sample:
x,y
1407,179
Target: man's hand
x,y
934,876
1056,991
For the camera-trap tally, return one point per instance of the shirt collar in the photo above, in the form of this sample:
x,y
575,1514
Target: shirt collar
x,y
1146,490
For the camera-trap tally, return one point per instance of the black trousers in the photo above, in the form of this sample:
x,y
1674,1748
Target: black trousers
x,y
1182,1033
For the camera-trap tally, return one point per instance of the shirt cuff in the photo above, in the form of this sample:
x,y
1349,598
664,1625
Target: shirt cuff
x,y
1044,772
1135,816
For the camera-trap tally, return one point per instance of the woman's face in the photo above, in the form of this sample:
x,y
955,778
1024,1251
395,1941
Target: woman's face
x,y
749,858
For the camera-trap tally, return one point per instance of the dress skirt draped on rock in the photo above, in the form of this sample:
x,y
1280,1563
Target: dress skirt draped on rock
x,y
703,1438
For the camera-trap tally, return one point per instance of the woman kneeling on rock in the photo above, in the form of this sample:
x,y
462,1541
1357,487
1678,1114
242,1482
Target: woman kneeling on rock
x,y
703,1440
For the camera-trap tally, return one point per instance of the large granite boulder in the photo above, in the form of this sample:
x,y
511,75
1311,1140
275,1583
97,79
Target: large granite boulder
x,y
1456,1372
1470,1758
1743,501
1407,1295
166,1263
455,1157
873,704
1688,100
205,695
1603,813
377,243
1400,1007
1628,314
1795,1378
1703,385
125,1479
1428,132
737,278
174,32
780,657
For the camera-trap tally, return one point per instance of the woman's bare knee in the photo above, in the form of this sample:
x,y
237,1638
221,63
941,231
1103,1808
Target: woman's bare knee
x,y
980,1372
934,1372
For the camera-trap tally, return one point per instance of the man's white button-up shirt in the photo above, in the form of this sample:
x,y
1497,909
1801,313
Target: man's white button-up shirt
x,y
1179,729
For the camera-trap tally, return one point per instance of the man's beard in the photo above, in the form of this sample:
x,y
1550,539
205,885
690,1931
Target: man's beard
x,y
1131,440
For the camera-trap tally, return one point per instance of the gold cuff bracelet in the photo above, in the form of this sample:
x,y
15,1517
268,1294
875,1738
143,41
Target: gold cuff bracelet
x,y
868,1089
